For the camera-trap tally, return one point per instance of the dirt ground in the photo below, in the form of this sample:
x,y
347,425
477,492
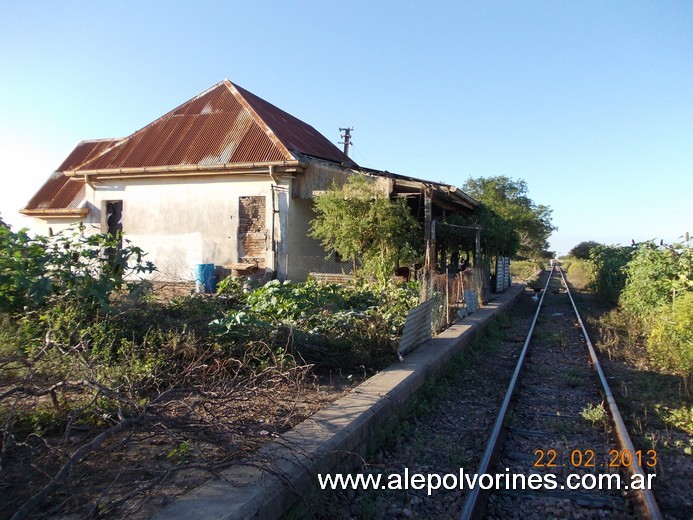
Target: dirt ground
x,y
147,465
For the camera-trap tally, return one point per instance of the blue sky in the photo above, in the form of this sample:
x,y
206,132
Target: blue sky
x,y
591,103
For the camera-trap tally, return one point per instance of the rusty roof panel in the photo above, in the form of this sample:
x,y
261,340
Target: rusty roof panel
x,y
256,143
208,129
47,192
225,124
58,192
216,127
294,133
70,196
61,192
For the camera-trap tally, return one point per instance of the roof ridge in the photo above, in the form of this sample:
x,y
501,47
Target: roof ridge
x,y
260,121
295,120
280,135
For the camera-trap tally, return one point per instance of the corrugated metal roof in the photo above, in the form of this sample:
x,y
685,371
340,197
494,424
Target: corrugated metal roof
x,y
85,151
294,133
61,192
225,124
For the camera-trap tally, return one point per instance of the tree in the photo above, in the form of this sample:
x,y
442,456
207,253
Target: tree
x,y
364,226
508,199
498,237
582,250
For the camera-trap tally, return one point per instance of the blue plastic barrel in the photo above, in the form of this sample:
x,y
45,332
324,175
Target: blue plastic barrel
x,y
204,278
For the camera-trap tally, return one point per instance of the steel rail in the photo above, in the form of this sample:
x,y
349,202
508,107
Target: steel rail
x,y
475,502
624,439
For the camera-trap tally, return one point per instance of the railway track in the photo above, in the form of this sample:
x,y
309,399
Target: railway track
x,y
545,458
540,352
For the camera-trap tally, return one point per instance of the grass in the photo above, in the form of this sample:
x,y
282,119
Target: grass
x,y
574,377
578,272
524,269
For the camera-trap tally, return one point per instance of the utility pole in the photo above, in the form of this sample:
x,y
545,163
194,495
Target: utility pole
x,y
347,139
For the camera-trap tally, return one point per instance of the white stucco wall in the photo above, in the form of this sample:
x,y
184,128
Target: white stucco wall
x,y
180,223
305,253
38,226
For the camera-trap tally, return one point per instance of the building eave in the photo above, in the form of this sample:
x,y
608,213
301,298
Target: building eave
x,y
55,213
190,170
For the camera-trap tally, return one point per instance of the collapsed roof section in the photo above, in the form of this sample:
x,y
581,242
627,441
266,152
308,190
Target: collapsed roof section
x,y
443,195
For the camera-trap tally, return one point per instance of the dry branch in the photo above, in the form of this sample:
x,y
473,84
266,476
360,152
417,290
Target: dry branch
x,y
39,498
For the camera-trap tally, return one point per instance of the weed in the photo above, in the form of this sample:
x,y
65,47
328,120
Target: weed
x,y
574,372
180,453
41,420
573,382
681,418
595,414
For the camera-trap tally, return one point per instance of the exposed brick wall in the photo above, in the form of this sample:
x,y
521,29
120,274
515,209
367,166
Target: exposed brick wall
x,y
252,234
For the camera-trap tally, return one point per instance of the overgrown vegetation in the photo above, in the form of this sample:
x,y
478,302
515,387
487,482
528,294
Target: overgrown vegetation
x,y
525,269
360,224
72,266
498,235
607,274
659,292
582,250
328,324
578,271
86,346
653,288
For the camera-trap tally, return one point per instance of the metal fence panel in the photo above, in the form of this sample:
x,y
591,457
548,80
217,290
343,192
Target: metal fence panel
x,y
417,328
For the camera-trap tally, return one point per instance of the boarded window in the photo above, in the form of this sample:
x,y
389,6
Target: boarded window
x,y
252,233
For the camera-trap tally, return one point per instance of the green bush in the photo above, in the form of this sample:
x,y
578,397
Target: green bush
x,y
656,306
583,249
232,288
669,341
655,276
36,272
377,234
607,271
22,268
287,302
